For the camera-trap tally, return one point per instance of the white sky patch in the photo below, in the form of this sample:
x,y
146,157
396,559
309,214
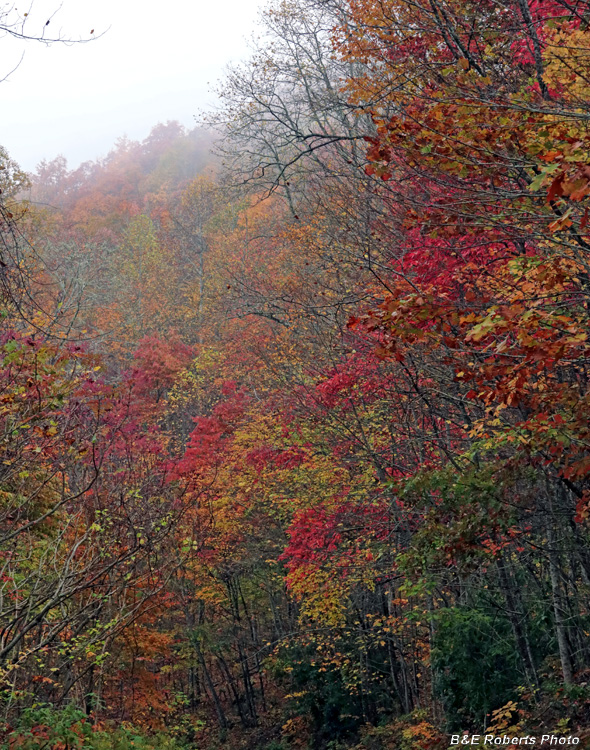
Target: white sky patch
x,y
156,61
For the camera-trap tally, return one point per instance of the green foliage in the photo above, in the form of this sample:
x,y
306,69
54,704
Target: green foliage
x,y
44,727
319,693
475,664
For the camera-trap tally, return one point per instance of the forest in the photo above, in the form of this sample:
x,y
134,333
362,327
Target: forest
x,y
295,405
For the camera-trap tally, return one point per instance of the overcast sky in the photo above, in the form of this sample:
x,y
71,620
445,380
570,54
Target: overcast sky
x,y
153,63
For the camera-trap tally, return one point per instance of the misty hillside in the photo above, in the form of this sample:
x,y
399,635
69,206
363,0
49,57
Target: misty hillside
x,y
295,405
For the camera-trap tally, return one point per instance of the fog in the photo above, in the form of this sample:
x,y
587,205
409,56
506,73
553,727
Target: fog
x,y
147,62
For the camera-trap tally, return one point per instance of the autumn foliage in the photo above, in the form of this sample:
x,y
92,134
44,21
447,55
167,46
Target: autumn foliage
x,y
295,444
